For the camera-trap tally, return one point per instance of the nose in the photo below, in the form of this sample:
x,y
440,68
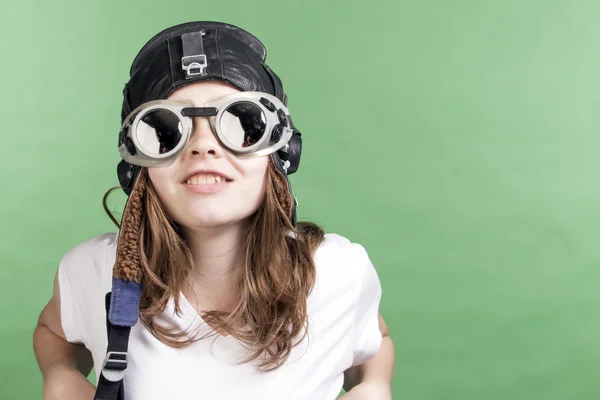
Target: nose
x,y
203,143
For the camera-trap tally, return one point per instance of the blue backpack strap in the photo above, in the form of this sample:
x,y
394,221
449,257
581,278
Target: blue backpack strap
x,y
122,309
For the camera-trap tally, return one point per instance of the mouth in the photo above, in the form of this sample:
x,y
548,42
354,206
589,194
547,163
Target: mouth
x,y
206,178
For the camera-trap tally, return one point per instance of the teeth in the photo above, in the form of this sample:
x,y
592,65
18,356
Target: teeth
x,y
204,179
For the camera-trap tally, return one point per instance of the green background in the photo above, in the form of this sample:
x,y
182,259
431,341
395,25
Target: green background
x,y
456,140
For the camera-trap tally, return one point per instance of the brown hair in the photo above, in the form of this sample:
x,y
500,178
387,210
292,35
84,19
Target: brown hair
x,y
277,273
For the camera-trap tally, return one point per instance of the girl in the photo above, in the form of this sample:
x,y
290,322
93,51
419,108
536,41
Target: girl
x,y
211,289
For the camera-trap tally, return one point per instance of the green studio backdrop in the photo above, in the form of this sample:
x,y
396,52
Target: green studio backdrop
x,y
458,141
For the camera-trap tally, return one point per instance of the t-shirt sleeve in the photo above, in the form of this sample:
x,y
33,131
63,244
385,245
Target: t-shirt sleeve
x,y
367,336
71,314
81,273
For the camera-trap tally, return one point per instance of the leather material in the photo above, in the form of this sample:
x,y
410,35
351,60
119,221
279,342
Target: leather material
x,y
233,55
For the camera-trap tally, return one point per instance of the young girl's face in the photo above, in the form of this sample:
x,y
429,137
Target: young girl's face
x,y
207,186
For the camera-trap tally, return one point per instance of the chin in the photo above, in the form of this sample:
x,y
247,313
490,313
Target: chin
x,y
211,220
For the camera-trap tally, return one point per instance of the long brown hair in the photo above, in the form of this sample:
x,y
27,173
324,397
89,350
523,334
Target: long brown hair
x,y
276,274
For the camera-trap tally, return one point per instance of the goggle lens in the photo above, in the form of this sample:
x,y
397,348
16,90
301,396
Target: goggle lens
x,y
243,124
159,131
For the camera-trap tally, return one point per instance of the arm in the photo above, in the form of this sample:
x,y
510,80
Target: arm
x,y
64,365
373,378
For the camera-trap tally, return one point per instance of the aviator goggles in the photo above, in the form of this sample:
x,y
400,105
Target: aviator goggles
x,y
247,124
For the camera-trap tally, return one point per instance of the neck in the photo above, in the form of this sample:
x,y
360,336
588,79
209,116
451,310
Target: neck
x,y
215,254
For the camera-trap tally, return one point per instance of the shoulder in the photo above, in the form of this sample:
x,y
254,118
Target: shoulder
x,y
94,248
89,262
344,265
84,277
334,241
347,279
337,251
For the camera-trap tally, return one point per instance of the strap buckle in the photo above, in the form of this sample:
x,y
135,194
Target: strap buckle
x,y
114,366
194,65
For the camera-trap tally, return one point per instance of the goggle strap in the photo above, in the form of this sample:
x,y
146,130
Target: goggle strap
x,y
194,60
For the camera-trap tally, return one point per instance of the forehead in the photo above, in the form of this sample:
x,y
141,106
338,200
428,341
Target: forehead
x,y
201,92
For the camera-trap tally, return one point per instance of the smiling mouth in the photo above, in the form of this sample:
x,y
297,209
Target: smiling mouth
x,y
206,179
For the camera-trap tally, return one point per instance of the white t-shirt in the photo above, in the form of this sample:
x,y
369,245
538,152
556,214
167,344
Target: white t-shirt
x,y
343,331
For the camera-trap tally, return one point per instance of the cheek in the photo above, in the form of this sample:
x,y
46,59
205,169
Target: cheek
x,y
254,171
161,181
158,178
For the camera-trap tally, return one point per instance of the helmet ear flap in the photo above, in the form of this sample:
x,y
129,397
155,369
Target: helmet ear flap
x,y
290,153
294,151
127,174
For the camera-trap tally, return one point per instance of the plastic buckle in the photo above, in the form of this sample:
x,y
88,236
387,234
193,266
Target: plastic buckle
x,y
194,65
113,369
